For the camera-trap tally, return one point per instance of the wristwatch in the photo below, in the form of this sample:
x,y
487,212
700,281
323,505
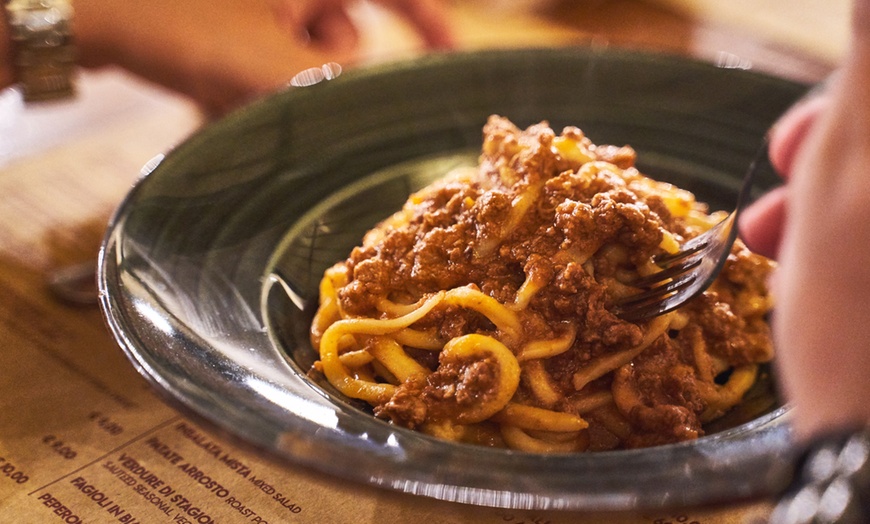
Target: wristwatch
x,y
42,47
832,484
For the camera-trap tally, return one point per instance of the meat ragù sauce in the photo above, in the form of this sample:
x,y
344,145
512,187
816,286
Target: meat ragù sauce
x,y
483,310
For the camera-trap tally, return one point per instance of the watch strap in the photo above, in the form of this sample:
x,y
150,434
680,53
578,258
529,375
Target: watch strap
x,y
832,484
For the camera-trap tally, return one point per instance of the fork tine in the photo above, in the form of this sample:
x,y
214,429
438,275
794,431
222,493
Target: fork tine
x,y
670,272
686,251
658,293
655,301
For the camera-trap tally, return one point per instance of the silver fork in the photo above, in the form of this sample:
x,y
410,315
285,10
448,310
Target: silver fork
x,y
691,270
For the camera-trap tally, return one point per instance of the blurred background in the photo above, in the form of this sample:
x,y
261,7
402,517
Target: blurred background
x,y
799,39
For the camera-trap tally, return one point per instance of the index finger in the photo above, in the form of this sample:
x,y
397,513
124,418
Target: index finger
x,y
789,133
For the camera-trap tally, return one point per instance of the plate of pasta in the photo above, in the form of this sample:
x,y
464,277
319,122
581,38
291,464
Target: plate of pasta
x,y
412,268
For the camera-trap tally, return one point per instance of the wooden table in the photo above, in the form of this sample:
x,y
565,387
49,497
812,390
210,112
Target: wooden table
x,y
78,426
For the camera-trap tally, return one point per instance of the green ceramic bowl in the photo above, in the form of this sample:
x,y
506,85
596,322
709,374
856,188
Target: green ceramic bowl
x,y
210,266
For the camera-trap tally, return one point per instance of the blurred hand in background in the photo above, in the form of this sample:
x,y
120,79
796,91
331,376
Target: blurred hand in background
x,y
222,54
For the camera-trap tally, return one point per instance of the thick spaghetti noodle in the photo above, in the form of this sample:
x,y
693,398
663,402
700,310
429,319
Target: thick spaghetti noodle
x,y
481,312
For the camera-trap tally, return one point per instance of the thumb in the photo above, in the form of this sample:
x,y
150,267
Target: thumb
x,y
789,133
761,224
